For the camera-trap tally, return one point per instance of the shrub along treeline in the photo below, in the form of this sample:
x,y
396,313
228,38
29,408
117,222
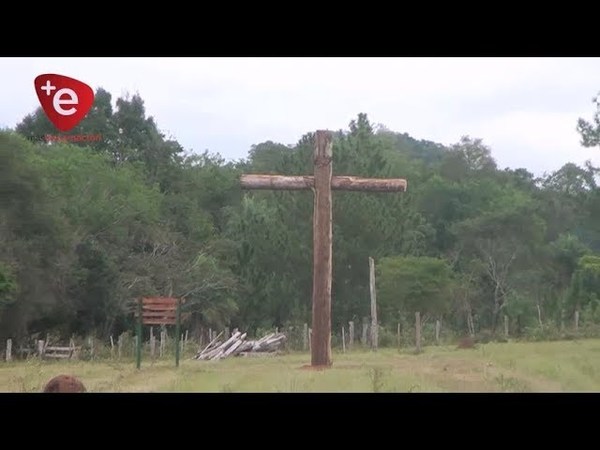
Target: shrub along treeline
x,y
85,228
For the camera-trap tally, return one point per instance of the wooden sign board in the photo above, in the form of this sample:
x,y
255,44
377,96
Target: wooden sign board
x,y
159,310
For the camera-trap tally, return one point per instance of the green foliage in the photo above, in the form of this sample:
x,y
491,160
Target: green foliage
x,y
8,286
585,284
410,284
590,131
86,228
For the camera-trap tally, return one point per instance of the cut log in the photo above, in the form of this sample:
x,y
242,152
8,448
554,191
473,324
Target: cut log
x,y
237,345
231,349
210,344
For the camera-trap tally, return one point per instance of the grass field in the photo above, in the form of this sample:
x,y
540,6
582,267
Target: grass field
x,y
566,366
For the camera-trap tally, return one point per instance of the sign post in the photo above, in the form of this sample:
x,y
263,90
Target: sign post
x,y
158,311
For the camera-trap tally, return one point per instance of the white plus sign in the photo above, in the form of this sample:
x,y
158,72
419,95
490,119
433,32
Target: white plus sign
x,y
48,88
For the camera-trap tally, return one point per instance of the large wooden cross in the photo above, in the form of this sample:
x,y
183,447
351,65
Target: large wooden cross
x,y
322,183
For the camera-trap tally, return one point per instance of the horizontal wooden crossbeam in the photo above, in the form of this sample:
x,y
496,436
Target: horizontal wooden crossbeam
x,y
338,183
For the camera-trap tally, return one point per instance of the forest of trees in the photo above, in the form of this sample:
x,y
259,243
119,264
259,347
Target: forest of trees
x,y
87,228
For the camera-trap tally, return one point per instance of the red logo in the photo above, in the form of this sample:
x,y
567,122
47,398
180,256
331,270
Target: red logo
x,y
65,100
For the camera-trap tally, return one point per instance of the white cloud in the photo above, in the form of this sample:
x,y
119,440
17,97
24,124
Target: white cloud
x,y
524,108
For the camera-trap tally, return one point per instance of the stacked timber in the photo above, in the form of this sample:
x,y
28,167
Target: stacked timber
x,y
237,345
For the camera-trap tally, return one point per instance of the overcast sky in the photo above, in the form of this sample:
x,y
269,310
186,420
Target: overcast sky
x,y
524,109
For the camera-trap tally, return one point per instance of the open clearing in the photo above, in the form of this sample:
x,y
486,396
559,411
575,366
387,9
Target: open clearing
x,y
566,366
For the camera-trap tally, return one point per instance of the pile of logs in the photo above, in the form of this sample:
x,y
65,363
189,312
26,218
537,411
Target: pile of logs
x,y
237,345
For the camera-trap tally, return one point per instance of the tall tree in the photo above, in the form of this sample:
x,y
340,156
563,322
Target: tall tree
x,y
590,131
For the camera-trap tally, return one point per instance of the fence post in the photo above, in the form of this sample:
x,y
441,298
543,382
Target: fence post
x,y
8,350
418,331
365,326
40,348
305,337
139,335
350,335
91,345
178,332
120,346
163,341
152,344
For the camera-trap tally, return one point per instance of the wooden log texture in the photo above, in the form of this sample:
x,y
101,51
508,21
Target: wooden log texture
x,y
373,292
418,331
306,182
322,251
237,344
8,350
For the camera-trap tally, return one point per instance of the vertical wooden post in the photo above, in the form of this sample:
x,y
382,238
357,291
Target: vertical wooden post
x,y
40,348
365,328
91,345
8,350
178,332
374,323
310,339
226,335
305,337
506,326
112,347
438,326
163,340
322,249
120,345
562,320
350,335
343,341
152,344
576,321
138,362
418,331
398,333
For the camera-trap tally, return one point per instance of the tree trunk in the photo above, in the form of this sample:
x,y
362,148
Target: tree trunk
x,y
470,324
